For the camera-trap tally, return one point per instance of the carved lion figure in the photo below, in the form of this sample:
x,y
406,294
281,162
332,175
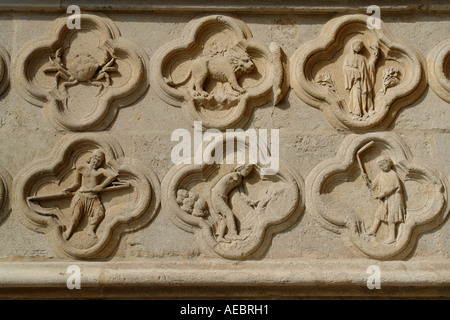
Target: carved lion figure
x,y
223,68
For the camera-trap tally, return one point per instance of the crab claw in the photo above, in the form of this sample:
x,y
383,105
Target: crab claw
x,y
58,52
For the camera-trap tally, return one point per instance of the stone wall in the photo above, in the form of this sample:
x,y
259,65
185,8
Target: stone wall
x,y
93,119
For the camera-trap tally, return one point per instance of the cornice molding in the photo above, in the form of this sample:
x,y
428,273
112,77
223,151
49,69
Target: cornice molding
x,y
260,7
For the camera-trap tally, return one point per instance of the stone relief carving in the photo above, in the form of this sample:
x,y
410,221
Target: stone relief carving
x,y
359,74
81,68
439,69
81,76
85,195
5,189
217,72
4,65
5,177
376,196
232,208
359,77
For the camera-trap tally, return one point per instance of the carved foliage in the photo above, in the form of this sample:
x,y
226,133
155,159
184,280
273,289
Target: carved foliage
x,y
233,209
85,195
358,77
374,194
81,76
439,69
218,72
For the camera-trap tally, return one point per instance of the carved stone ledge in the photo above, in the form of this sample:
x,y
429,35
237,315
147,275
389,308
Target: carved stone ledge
x,y
376,196
439,70
4,66
85,195
190,279
359,77
235,209
217,72
81,76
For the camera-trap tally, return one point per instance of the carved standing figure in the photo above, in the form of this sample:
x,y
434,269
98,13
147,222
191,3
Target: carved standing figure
x,y
388,188
90,180
219,199
359,76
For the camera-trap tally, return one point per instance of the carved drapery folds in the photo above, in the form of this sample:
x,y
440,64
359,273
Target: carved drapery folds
x,y
376,196
85,195
439,69
359,77
81,76
232,208
218,72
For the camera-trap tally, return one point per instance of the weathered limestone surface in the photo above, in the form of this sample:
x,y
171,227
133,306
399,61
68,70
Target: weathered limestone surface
x,y
87,176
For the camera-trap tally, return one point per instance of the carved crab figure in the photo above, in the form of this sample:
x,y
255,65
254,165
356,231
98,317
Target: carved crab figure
x,y
82,68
